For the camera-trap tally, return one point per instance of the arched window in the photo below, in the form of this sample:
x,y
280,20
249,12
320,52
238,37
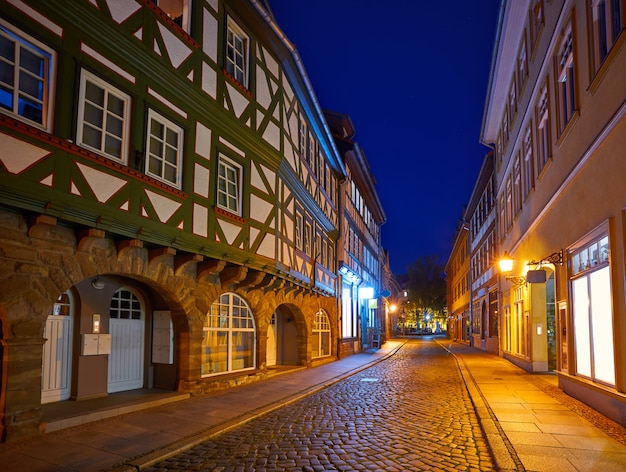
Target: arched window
x,y
321,335
229,340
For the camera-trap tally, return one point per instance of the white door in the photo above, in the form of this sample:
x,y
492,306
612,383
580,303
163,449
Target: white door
x,y
57,353
126,326
271,342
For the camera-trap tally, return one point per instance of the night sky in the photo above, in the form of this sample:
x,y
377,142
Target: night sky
x,y
412,75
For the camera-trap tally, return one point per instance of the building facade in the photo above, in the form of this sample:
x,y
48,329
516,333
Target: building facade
x,y
360,257
556,117
458,285
169,202
481,217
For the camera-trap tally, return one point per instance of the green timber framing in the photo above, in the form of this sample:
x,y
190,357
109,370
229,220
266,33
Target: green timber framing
x,y
75,218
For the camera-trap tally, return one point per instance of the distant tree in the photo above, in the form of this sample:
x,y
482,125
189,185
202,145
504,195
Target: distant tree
x,y
427,288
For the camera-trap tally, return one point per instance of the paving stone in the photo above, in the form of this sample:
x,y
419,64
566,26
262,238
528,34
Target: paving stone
x,y
416,416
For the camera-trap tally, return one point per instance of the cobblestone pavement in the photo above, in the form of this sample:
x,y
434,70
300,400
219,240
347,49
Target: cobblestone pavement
x,y
408,413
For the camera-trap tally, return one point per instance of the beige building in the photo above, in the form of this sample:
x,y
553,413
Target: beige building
x,y
480,215
556,117
458,286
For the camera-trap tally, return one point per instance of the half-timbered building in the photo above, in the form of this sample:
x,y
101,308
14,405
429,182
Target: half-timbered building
x,y
168,202
360,258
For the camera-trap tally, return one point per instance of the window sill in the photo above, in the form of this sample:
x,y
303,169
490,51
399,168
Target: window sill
x,y
87,154
238,84
231,216
171,23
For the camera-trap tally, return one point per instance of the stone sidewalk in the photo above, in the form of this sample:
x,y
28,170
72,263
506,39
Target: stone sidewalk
x,y
528,422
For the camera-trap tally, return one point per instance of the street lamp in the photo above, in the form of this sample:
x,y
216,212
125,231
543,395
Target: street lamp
x,y
506,267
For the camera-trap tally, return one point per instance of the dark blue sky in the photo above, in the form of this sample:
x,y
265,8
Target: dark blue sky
x,y
412,74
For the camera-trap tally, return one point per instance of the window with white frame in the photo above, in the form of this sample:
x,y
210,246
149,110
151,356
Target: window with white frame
x,y
237,51
592,311
543,130
528,177
229,188
229,341
164,149
177,10
607,25
566,83
26,72
320,344
299,230
103,117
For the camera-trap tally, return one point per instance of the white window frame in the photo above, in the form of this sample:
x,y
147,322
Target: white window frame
x,y
592,312
228,188
160,141
320,345
46,76
109,90
237,52
299,230
228,317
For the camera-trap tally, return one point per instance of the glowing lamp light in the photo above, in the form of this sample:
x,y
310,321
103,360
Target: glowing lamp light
x,y
506,263
366,293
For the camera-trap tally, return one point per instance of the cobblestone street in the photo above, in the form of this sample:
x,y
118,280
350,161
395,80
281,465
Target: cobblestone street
x,y
410,412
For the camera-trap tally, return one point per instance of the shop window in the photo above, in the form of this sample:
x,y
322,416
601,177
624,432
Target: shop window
x,y
229,340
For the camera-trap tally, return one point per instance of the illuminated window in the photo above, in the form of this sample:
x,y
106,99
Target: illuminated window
x,y
592,311
103,117
229,341
320,343
237,45
25,77
177,10
164,155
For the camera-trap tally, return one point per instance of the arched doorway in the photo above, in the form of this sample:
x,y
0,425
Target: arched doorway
x,y
282,338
